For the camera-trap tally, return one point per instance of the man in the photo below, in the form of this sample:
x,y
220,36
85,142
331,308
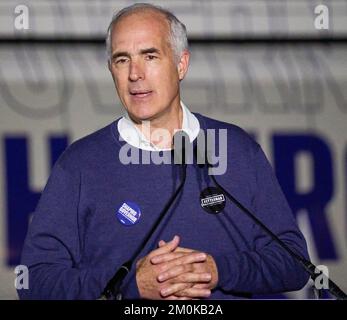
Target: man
x,y
95,211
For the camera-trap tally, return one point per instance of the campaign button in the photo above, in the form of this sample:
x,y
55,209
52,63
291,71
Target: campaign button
x,y
128,213
212,200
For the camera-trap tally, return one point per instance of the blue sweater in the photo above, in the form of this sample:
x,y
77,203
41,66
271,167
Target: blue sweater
x,y
75,242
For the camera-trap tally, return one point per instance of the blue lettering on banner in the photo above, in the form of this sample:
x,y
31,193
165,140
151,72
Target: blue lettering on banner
x,y
315,202
21,201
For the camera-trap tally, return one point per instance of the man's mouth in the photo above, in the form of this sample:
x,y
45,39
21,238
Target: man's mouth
x,y
140,93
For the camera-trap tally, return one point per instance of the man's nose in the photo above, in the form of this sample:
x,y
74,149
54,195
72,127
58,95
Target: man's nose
x,y
136,71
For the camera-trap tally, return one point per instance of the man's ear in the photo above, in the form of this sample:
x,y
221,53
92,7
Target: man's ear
x,y
183,64
109,64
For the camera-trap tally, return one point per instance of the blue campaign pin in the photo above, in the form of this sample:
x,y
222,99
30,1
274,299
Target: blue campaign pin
x,y
128,213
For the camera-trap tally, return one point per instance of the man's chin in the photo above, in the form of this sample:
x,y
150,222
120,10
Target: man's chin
x,y
138,118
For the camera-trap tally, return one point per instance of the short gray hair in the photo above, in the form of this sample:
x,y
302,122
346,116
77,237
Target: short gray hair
x,y
178,32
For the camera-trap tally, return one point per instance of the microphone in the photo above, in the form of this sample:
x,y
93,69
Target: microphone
x,y
307,265
112,290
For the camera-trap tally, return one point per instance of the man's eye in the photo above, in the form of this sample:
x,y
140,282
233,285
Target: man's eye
x,y
150,57
121,61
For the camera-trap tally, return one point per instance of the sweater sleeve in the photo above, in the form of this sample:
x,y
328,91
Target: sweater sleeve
x,y
267,268
52,249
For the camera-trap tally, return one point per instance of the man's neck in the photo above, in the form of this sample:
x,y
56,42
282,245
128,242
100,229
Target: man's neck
x,y
170,121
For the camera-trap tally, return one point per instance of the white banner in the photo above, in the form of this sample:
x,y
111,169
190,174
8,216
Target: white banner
x,y
207,18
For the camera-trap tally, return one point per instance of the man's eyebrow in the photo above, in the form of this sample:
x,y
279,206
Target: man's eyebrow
x,y
115,55
149,50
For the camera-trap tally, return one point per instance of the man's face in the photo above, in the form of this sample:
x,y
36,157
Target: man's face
x,y
143,66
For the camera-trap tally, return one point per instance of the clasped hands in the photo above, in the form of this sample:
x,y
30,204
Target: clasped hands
x,y
175,273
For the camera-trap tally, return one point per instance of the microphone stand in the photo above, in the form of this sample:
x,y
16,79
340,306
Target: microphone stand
x,y
306,264
112,289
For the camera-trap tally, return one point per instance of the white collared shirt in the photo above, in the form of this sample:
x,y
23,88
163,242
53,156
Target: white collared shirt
x,y
132,135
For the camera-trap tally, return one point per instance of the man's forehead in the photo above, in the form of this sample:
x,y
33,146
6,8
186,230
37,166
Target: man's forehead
x,y
137,44
140,34
146,17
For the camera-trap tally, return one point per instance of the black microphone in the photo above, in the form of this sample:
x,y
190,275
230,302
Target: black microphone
x,y
307,265
112,290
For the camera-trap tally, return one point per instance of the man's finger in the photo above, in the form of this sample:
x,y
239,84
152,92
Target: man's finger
x,y
178,249
181,290
176,259
168,247
178,266
166,257
174,288
161,243
173,297
201,285
191,277
194,293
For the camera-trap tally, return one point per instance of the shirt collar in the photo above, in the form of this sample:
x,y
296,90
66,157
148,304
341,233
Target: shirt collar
x,y
133,136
